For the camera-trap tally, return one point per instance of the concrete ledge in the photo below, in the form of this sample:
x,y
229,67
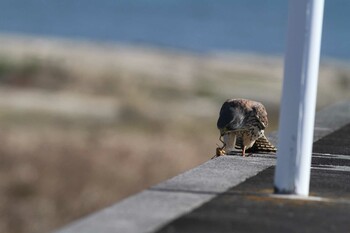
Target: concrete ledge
x,y
331,118
153,208
143,212
217,175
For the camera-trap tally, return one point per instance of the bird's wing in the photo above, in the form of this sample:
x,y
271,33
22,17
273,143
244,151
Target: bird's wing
x,y
260,114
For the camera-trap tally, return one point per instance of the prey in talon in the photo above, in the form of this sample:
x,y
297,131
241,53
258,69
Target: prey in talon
x,y
220,151
241,124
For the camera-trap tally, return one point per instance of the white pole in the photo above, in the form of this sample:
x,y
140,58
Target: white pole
x,y
298,104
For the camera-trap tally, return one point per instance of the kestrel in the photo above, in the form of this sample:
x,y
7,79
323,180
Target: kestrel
x,y
242,123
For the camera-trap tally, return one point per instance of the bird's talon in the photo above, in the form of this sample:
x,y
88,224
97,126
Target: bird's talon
x,y
220,151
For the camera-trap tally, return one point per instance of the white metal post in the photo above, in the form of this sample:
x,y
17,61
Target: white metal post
x,y
292,175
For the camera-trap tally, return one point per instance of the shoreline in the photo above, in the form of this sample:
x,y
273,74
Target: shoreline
x,y
206,78
89,60
31,39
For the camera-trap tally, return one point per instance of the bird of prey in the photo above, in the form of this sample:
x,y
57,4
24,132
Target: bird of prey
x,y
242,123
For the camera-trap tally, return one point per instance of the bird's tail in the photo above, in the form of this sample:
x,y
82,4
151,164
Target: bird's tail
x,y
262,144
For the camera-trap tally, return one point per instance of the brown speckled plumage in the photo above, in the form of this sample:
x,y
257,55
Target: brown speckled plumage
x,y
242,123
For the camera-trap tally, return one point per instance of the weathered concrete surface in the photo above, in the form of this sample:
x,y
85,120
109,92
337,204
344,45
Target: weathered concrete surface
x,y
251,207
331,118
139,213
217,175
152,208
226,194
335,143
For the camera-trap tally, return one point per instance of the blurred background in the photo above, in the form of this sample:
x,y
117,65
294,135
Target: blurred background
x,y
101,99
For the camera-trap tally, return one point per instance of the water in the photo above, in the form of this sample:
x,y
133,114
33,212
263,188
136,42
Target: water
x,y
197,25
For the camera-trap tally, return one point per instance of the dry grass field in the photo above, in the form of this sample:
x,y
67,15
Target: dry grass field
x,y
83,125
